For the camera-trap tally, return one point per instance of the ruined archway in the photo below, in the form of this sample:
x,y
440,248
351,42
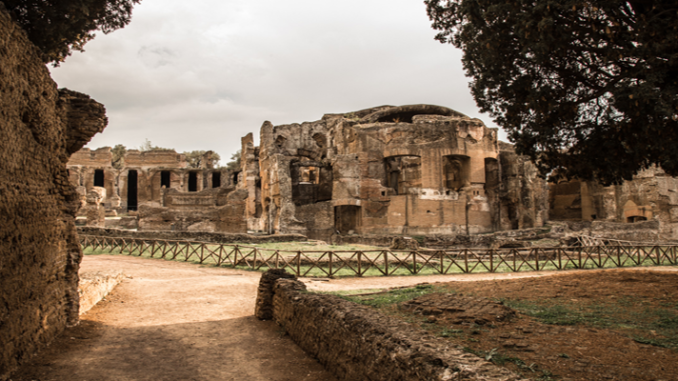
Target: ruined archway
x,y
635,213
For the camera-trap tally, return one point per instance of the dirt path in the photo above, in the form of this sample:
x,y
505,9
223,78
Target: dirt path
x,y
173,321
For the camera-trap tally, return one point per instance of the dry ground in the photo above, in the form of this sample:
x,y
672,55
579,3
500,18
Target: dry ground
x,y
588,325
173,321
180,321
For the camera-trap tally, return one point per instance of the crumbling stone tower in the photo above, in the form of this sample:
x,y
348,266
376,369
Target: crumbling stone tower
x,y
40,127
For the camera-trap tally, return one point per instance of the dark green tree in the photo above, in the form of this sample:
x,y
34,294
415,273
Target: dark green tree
x,y
59,26
587,89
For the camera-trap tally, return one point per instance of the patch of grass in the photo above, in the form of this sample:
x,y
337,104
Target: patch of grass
x,y
656,326
499,358
448,332
392,297
549,314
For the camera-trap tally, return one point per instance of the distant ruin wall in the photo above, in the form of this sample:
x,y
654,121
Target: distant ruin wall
x,y
191,236
39,251
355,342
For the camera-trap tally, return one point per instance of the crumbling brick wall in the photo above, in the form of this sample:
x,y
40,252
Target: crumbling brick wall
x,y
354,342
40,127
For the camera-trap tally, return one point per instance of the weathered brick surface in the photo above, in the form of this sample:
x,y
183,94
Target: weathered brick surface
x,y
39,254
354,342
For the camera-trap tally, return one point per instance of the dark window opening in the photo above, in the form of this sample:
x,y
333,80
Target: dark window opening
x,y
216,179
192,181
401,117
632,219
257,211
165,179
491,173
457,170
99,178
235,178
346,219
132,183
311,182
402,173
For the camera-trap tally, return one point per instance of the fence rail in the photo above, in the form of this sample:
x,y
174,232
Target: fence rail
x,y
389,262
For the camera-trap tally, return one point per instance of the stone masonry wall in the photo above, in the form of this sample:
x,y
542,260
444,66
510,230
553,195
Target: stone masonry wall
x,y
39,255
355,342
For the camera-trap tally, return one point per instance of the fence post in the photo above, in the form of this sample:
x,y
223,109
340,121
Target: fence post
x,y
360,271
414,262
298,263
466,261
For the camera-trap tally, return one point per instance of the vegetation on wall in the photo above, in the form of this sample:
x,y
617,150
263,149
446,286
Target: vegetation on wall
x,y
58,27
195,159
587,89
118,156
202,159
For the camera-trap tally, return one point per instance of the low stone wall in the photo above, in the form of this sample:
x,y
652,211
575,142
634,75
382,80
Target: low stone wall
x,y
357,343
95,286
191,236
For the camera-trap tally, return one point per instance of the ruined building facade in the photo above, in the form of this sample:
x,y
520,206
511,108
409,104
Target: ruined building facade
x,y
650,196
417,170
414,170
160,185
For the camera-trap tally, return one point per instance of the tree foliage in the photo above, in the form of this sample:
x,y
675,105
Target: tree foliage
x,y
234,164
118,156
587,89
59,26
148,146
202,159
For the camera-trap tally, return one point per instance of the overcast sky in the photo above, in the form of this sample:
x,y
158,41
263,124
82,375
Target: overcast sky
x,y
201,74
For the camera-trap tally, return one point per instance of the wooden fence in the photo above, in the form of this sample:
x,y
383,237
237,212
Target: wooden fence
x,y
389,262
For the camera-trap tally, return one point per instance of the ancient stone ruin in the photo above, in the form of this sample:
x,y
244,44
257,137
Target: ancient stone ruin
x,y
413,170
652,196
39,250
417,170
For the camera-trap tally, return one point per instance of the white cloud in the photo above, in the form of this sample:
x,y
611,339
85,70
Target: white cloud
x,y
202,74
